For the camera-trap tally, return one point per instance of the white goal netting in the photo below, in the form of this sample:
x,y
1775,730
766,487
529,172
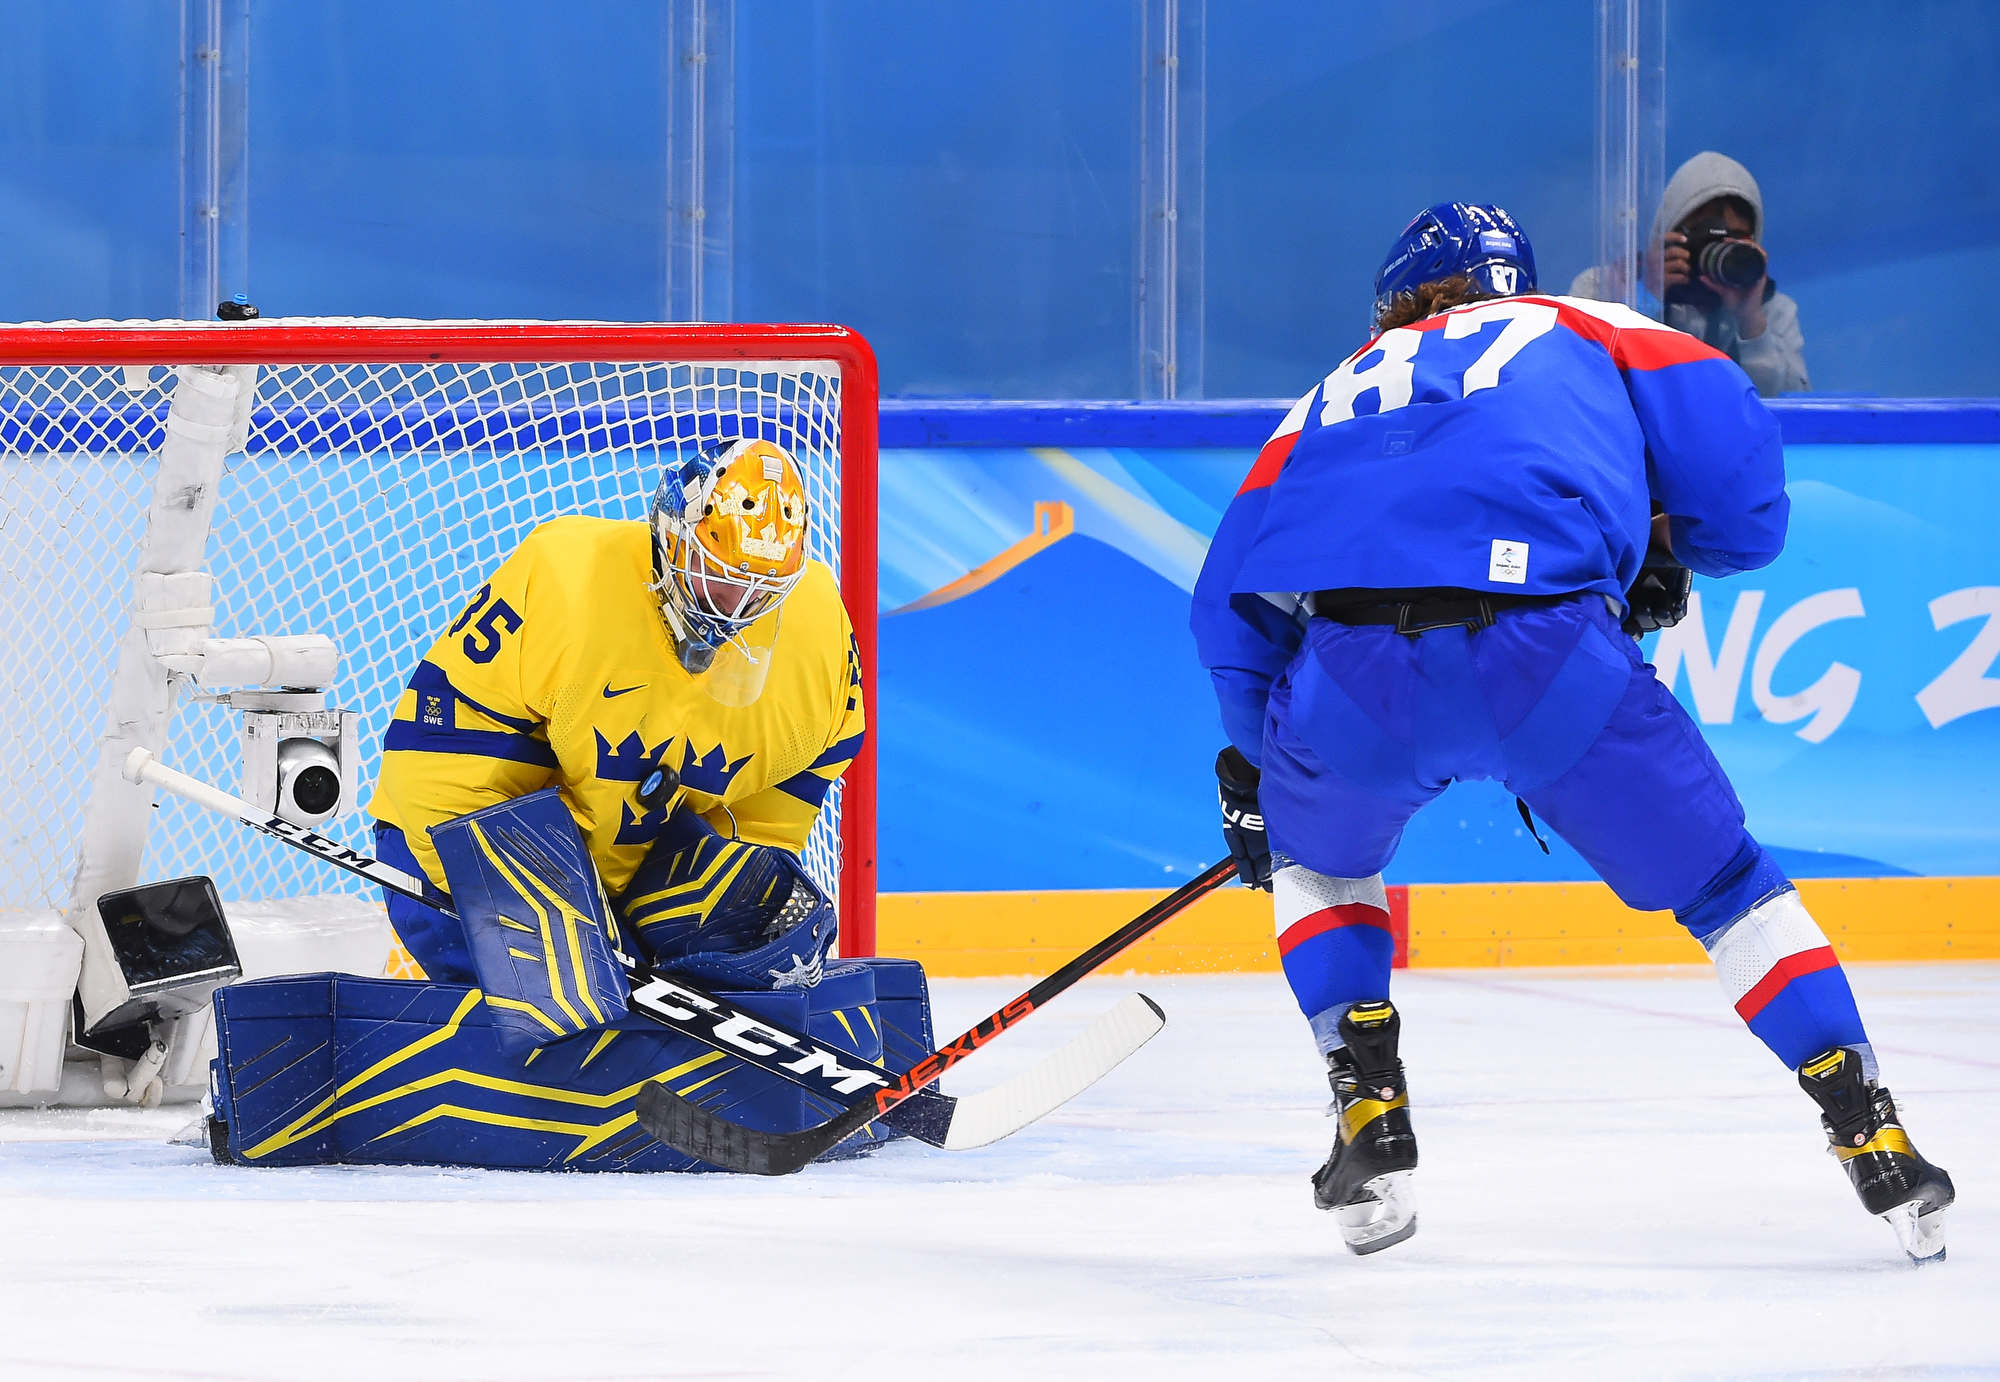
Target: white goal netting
x,y
369,503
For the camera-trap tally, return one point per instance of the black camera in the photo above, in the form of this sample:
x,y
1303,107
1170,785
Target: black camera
x,y
1721,257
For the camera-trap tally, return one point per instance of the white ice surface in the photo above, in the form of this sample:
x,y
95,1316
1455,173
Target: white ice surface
x,y
1617,1181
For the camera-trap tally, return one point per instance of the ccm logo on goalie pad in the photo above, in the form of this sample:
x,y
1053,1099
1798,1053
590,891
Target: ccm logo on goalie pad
x,y
745,1033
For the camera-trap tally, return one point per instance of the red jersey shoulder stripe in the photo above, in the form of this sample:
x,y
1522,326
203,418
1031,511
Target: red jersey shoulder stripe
x,y
1264,470
1632,339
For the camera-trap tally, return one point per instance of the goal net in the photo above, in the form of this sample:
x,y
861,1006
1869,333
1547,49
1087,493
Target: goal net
x,y
385,470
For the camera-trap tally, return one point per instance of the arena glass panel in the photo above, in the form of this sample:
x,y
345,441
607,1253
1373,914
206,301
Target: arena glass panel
x,y
441,161
959,182
1868,129
89,152
1357,120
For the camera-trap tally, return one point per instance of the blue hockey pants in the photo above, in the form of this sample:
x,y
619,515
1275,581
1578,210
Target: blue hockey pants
x,y
1555,703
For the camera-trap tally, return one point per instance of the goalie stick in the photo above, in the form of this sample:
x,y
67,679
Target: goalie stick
x,y
708,1136
835,1076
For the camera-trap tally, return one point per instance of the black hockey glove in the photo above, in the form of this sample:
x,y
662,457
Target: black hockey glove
x,y
1242,820
1659,598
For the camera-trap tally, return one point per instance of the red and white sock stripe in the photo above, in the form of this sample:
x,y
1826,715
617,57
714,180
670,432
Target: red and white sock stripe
x,y
1310,904
1766,948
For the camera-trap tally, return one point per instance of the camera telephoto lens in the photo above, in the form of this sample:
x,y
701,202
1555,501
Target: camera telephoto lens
x,y
1732,263
316,790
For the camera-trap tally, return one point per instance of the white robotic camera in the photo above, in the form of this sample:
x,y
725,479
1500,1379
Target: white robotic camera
x,y
300,759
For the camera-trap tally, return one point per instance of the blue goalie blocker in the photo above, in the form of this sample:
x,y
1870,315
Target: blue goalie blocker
x,y
332,1068
537,925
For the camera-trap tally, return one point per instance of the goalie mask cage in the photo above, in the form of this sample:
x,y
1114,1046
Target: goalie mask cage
x,y
377,475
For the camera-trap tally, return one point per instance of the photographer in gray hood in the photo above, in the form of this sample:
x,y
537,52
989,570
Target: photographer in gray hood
x,y
1716,274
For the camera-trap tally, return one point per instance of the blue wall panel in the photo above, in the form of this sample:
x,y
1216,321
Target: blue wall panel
x,y
1052,729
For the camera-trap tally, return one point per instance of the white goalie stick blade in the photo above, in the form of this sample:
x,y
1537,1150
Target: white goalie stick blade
x,y
1055,1079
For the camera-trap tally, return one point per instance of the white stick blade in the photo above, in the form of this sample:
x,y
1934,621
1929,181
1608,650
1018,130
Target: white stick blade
x,y
1057,1078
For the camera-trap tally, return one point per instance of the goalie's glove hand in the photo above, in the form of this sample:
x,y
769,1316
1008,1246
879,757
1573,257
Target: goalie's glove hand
x,y
1659,598
1236,780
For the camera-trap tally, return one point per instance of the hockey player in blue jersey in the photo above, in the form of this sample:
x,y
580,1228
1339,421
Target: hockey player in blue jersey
x,y
1423,580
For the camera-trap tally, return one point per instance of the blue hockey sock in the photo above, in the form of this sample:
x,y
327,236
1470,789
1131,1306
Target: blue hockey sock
x,y
1785,981
1334,942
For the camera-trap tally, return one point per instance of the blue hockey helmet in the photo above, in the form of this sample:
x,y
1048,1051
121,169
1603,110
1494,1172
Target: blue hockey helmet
x,y
1453,238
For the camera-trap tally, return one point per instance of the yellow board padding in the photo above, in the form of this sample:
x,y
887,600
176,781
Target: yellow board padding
x,y
1472,925
1453,924
960,935
1469,924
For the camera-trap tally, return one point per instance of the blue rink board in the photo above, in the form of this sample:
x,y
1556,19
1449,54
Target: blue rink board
x,y
1052,729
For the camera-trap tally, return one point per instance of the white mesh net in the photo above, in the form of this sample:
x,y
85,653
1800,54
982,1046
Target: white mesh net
x,y
370,501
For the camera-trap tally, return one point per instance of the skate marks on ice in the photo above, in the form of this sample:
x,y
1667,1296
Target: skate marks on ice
x,y
1616,1182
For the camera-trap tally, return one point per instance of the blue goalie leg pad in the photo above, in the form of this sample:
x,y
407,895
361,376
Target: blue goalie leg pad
x,y
327,1068
536,924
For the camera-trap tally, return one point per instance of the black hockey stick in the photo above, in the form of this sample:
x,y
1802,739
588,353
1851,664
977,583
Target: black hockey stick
x,y
708,1136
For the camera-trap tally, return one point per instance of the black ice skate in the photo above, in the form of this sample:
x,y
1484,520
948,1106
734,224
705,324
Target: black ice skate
x,y
1366,1181
1889,1174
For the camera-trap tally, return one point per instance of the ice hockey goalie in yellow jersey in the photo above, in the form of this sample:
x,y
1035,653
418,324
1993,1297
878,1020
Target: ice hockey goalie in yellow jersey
x,y
613,660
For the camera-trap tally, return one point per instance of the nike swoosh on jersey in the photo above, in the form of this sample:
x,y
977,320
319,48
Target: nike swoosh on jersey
x,y
610,695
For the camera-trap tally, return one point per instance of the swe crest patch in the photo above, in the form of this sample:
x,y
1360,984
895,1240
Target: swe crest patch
x,y
434,710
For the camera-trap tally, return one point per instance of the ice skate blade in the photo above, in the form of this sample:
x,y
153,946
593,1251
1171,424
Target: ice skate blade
x,y
1922,1235
1384,1219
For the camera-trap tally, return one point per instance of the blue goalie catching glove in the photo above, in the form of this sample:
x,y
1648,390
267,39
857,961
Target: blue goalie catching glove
x,y
727,911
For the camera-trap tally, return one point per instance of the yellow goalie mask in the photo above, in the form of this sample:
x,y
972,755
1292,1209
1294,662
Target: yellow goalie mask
x,y
729,544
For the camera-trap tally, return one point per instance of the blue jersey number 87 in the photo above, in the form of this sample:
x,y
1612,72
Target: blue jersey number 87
x,y
1388,367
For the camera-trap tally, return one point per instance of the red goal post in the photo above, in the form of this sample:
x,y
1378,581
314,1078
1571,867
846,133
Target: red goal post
x,y
375,422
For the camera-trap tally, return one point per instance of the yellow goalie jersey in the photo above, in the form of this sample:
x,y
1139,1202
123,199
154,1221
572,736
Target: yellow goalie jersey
x,y
561,672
